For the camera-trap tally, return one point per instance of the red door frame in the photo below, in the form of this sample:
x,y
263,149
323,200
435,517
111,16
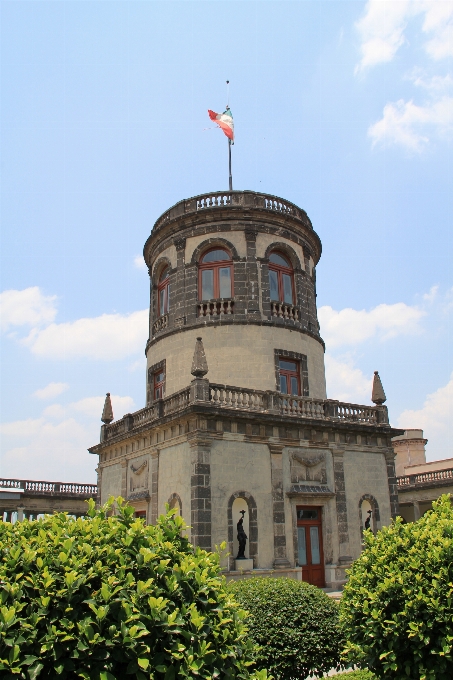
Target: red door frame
x,y
312,573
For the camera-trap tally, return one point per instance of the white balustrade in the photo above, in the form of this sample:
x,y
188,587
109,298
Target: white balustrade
x,y
215,307
285,311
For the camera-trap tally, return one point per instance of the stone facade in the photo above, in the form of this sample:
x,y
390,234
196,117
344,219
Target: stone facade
x,y
226,438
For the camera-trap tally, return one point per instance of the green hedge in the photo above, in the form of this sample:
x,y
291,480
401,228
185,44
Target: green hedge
x,y
397,607
294,624
106,598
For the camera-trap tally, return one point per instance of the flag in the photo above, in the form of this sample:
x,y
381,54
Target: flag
x,y
225,121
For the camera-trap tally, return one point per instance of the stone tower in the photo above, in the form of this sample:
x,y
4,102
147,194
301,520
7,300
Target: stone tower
x,y
236,416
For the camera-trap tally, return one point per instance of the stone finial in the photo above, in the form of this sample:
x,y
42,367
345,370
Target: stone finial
x,y
378,395
199,363
107,413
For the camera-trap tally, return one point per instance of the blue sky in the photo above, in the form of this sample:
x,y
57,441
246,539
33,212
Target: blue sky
x,y
345,108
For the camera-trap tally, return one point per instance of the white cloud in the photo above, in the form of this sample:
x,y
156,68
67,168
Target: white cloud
x,y
139,262
435,417
51,390
92,406
28,307
107,337
352,326
54,446
382,29
346,382
405,123
432,295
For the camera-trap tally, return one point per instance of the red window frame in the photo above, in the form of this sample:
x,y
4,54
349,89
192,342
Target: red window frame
x,y
215,266
280,270
164,287
290,375
158,384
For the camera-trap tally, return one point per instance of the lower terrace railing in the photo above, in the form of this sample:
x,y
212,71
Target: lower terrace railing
x,y
246,400
425,478
30,487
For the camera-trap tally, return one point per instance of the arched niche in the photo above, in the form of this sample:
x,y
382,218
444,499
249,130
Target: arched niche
x,y
366,503
175,502
242,500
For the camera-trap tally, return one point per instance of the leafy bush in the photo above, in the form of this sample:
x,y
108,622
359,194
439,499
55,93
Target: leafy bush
x,y
107,597
358,675
397,607
294,624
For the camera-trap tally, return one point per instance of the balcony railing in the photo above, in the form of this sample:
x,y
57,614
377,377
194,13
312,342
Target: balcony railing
x,y
233,199
436,477
160,324
223,397
283,310
31,487
215,307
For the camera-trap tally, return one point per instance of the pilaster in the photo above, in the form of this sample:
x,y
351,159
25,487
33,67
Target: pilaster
x,y
124,464
252,303
200,491
278,507
340,500
154,487
392,482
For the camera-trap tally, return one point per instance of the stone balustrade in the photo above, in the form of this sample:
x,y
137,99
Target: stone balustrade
x,y
246,400
42,488
232,199
433,478
160,324
215,307
283,310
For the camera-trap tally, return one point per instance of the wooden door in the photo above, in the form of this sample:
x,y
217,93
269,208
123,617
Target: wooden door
x,y
309,537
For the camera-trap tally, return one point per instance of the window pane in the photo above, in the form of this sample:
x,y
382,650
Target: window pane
x,y
167,301
162,302
307,514
276,258
225,282
288,365
165,274
216,256
159,377
287,289
207,284
283,384
294,385
158,393
314,540
273,280
302,558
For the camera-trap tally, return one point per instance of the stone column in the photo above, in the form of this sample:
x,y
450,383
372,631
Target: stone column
x,y
20,513
392,482
99,482
200,491
124,464
178,295
154,487
278,507
342,513
416,507
253,291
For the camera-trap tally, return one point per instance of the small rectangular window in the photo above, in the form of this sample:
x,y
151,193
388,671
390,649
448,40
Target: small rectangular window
x,y
289,377
159,380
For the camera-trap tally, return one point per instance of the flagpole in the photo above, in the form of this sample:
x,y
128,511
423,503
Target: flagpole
x,y
229,164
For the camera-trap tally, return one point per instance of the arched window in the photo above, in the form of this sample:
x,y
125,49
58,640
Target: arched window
x,y
164,291
281,278
216,269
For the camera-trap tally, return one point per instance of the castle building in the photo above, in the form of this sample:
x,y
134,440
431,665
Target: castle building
x,y
237,416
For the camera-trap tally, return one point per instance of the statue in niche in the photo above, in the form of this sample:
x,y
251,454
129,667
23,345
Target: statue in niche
x,y
242,538
368,521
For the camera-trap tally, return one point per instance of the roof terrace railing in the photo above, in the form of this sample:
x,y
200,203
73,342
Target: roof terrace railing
x,y
223,397
425,479
233,199
41,488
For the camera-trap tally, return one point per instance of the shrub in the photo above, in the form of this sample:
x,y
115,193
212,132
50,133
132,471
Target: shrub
x,y
397,608
107,597
294,624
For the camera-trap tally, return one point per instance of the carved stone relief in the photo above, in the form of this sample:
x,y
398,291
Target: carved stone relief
x,y
139,475
307,466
